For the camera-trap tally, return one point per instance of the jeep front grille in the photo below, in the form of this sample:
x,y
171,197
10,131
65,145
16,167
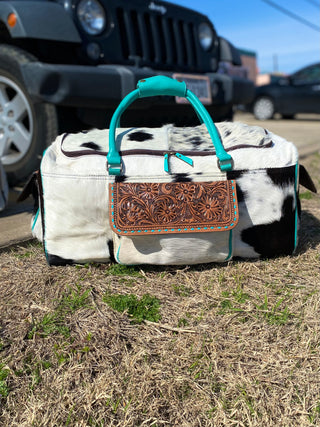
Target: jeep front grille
x,y
158,41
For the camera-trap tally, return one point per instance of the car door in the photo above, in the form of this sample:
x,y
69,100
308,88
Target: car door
x,y
305,85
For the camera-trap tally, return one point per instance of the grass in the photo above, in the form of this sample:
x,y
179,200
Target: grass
x,y
307,195
54,322
4,389
145,308
234,344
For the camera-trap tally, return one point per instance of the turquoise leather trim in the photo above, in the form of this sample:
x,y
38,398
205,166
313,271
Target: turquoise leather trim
x,y
115,170
35,219
117,255
166,162
118,259
179,156
163,85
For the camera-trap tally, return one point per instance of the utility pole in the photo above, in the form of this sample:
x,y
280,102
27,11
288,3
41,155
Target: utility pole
x,y
275,63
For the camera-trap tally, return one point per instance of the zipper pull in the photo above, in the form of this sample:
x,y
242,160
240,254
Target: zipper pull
x,y
179,156
166,162
184,158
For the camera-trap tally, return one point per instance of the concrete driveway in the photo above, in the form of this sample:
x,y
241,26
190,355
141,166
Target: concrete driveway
x,y
304,132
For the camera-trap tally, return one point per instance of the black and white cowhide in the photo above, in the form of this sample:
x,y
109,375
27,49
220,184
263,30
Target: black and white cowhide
x,y
73,187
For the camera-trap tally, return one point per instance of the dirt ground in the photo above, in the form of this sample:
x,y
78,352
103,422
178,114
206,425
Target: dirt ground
x,y
236,344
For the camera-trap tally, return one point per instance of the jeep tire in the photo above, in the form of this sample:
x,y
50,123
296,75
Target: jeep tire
x,y
27,127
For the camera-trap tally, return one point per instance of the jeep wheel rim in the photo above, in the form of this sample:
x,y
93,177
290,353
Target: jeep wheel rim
x,y
16,122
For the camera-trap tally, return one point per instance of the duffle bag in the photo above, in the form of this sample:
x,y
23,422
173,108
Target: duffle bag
x,y
169,195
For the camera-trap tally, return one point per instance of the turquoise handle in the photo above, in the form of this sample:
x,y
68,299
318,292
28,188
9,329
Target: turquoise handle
x,y
163,85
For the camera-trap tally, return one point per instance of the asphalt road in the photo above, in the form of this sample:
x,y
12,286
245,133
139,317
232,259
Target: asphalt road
x,y
304,132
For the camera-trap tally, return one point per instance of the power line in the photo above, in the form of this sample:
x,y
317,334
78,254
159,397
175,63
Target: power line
x,y
314,2
292,15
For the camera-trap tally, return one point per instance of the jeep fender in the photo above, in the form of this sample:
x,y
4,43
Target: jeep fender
x,y
228,53
39,20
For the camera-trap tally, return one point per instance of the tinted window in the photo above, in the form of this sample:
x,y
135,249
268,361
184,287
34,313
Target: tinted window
x,y
307,75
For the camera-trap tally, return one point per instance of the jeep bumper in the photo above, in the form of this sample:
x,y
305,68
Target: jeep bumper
x,y
104,86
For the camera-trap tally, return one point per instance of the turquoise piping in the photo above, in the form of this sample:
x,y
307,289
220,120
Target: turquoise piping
x,y
117,256
118,259
35,219
230,247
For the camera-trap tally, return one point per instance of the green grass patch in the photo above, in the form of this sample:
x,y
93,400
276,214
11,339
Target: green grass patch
x,y
145,308
34,369
307,195
52,323
181,290
272,313
55,322
123,270
74,300
4,389
233,300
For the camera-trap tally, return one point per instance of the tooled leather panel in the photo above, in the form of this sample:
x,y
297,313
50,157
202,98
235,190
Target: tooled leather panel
x,y
175,207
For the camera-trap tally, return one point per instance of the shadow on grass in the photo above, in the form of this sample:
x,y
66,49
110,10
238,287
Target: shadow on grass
x,y
309,233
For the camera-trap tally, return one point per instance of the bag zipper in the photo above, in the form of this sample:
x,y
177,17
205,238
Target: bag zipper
x,y
141,151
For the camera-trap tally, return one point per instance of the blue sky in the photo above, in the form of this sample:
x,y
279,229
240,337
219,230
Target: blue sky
x,y
255,25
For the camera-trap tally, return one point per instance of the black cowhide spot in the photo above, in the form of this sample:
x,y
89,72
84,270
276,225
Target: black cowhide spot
x,y
140,136
235,174
195,140
111,250
240,194
121,178
57,260
91,145
181,177
274,239
282,176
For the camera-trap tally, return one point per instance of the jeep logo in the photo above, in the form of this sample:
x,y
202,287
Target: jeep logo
x,y
157,8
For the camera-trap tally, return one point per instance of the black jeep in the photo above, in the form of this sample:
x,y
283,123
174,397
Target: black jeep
x,y
66,64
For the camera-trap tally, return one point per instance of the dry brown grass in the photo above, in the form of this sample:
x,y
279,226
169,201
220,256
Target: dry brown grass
x,y
237,344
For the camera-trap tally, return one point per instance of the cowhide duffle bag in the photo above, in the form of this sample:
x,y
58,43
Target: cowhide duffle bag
x,y
168,195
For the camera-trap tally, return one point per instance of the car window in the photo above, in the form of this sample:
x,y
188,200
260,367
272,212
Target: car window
x,y
307,75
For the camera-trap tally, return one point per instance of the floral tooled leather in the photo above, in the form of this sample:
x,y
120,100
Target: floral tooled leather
x,y
175,207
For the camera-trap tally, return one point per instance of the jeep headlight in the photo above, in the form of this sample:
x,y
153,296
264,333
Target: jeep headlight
x,y
91,16
205,34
